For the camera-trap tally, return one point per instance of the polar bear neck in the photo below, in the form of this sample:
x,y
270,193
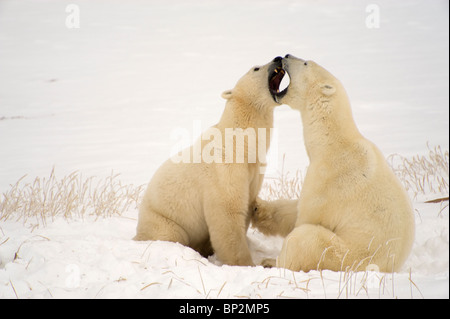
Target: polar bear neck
x,y
328,124
238,115
244,115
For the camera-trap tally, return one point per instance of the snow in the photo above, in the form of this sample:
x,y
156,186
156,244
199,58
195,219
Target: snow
x,y
97,259
109,95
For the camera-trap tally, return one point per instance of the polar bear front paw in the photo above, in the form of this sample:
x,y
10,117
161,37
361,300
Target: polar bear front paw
x,y
276,217
269,263
261,217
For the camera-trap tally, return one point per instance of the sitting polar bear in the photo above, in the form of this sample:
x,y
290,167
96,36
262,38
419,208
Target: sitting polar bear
x,y
205,203
352,212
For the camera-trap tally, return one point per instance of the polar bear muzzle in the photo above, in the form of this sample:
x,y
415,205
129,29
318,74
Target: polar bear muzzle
x,y
276,75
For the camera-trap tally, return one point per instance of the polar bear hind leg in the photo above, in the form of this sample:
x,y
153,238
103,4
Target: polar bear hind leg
x,y
313,247
153,226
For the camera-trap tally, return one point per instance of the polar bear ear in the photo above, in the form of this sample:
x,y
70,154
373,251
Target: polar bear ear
x,y
227,94
328,89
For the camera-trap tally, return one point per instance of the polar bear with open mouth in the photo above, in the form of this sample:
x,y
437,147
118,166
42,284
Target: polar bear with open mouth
x,y
206,204
352,212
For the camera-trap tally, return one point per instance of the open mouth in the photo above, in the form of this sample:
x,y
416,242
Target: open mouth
x,y
278,83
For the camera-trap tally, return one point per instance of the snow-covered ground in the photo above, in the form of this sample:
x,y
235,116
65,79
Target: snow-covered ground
x,y
109,95
97,259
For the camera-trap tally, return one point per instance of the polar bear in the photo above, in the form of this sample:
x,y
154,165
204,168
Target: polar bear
x,y
352,212
205,204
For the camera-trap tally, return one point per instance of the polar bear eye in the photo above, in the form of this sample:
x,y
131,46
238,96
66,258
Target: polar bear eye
x,y
306,63
256,69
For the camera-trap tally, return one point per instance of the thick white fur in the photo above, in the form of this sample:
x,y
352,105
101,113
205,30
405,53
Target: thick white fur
x,y
206,205
352,211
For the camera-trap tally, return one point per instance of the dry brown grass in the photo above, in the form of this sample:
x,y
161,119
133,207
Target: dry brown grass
x,y
423,174
76,196
73,196
284,186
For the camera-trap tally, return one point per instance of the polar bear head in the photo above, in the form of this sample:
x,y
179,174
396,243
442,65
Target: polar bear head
x,y
260,86
309,83
322,101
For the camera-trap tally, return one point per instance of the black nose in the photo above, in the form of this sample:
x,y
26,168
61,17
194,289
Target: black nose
x,y
277,59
